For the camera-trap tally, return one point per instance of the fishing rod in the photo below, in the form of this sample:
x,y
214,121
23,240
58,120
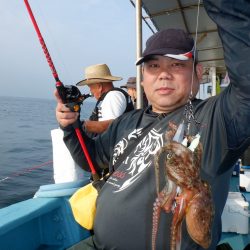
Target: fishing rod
x,y
70,95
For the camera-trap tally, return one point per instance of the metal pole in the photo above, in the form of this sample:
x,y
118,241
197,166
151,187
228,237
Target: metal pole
x,y
138,53
213,80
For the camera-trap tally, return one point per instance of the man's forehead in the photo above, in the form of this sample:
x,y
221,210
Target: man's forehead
x,y
92,86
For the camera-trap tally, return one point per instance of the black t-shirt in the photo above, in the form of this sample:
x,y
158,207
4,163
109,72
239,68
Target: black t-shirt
x,y
124,206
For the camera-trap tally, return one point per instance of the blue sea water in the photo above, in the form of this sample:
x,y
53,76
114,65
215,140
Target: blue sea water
x,y
25,145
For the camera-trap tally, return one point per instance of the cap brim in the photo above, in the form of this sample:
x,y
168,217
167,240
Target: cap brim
x,y
129,85
172,53
139,61
181,57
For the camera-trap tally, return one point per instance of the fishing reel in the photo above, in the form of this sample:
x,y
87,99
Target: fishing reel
x,y
72,96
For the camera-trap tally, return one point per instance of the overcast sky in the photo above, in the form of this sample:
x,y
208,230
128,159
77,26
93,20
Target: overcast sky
x,y
77,33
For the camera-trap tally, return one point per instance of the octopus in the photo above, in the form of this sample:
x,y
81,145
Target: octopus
x,y
185,193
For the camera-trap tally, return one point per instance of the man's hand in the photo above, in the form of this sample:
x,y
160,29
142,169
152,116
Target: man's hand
x,y
64,115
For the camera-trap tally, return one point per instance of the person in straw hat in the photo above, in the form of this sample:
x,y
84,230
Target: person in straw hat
x,y
111,102
132,199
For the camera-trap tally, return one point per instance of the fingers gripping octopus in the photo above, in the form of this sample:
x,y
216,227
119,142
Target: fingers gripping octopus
x,y
193,201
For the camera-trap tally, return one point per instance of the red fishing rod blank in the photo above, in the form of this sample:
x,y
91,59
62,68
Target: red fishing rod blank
x,y
60,87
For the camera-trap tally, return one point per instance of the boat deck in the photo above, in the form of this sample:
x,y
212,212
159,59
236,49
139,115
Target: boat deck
x,y
51,224
237,241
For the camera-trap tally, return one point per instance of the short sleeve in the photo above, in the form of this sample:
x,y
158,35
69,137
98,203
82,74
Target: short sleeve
x,y
113,105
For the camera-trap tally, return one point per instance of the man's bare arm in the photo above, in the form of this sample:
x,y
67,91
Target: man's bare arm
x,y
97,126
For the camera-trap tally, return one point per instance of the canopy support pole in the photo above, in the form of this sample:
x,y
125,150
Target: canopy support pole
x,y
139,103
213,80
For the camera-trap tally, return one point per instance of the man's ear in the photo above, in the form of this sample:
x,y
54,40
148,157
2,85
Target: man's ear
x,y
100,86
199,71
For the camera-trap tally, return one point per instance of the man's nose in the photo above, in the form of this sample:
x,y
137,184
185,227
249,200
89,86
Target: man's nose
x,y
165,73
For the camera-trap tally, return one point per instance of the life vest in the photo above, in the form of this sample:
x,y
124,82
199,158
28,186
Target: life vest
x,y
129,107
94,115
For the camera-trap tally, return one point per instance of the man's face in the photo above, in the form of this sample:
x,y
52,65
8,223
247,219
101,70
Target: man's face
x,y
96,90
167,82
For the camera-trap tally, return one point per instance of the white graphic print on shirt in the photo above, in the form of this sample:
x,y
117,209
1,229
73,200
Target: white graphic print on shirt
x,y
122,145
140,158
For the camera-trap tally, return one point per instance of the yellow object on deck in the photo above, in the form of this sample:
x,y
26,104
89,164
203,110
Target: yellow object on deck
x,y
83,204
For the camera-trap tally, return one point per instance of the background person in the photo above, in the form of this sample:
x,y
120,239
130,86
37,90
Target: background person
x,y
111,102
125,204
131,89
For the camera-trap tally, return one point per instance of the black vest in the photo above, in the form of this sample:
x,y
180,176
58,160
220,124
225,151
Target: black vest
x,y
94,115
129,107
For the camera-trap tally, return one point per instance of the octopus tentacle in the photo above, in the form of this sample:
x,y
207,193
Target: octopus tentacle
x,y
164,199
179,213
199,216
155,224
157,168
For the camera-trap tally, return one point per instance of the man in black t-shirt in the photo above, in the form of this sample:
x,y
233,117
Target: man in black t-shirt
x,y
171,75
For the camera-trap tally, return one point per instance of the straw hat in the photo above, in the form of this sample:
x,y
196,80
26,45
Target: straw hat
x,y
98,73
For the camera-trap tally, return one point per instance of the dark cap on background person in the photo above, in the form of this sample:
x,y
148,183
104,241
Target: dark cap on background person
x,y
131,83
174,43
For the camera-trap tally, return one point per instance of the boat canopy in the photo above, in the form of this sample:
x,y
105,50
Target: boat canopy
x,y
182,14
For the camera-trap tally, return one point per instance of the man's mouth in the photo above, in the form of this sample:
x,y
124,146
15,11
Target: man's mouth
x,y
165,90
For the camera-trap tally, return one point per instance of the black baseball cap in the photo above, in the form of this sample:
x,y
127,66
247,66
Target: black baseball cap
x,y
174,43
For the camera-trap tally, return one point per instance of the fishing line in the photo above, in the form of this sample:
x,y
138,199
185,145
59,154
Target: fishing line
x,y
58,53
189,110
195,47
25,170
